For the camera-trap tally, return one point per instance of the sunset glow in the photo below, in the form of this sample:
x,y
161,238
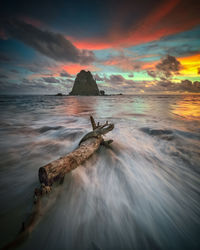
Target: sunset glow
x,y
190,64
131,49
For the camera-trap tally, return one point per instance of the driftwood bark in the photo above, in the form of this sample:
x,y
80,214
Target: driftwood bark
x,y
57,169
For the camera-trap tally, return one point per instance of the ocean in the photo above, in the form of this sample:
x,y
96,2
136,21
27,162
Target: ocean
x,y
141,193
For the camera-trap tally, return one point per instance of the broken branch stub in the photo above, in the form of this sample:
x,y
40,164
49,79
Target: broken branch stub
x,y
94,126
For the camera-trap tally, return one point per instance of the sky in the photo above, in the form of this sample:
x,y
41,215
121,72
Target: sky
x,y
131,47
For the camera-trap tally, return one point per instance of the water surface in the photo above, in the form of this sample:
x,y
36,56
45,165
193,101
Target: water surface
x,y
142,193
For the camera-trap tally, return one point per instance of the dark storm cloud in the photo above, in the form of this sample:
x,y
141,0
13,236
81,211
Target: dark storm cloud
x,y
168,66
52,45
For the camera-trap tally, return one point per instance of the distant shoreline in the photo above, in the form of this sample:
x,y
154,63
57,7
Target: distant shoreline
x,y
107,95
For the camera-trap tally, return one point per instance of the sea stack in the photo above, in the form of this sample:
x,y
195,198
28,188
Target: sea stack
x,y
85,84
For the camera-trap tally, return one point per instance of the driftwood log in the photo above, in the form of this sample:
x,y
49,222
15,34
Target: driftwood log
x,y
56,170
88,145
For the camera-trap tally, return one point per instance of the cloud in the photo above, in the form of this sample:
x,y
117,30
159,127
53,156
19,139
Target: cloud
x,y
14,71
117,83
35,86
118,80
26,86
98,78
158,85
51,79
52,45
131,75
46,81
151,73
65,74
198,71
169,86
124,62
4,58
40,65
3,76
188,86
127,60
168,66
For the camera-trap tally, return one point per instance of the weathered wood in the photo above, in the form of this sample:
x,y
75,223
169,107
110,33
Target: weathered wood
x,y
57,169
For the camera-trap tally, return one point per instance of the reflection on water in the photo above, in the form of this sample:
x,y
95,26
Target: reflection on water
x,y
79,106
142,193
188,107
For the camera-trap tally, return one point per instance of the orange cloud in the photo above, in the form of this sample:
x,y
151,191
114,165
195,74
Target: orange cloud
x,y
150,65
125,63
73,69
93,44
